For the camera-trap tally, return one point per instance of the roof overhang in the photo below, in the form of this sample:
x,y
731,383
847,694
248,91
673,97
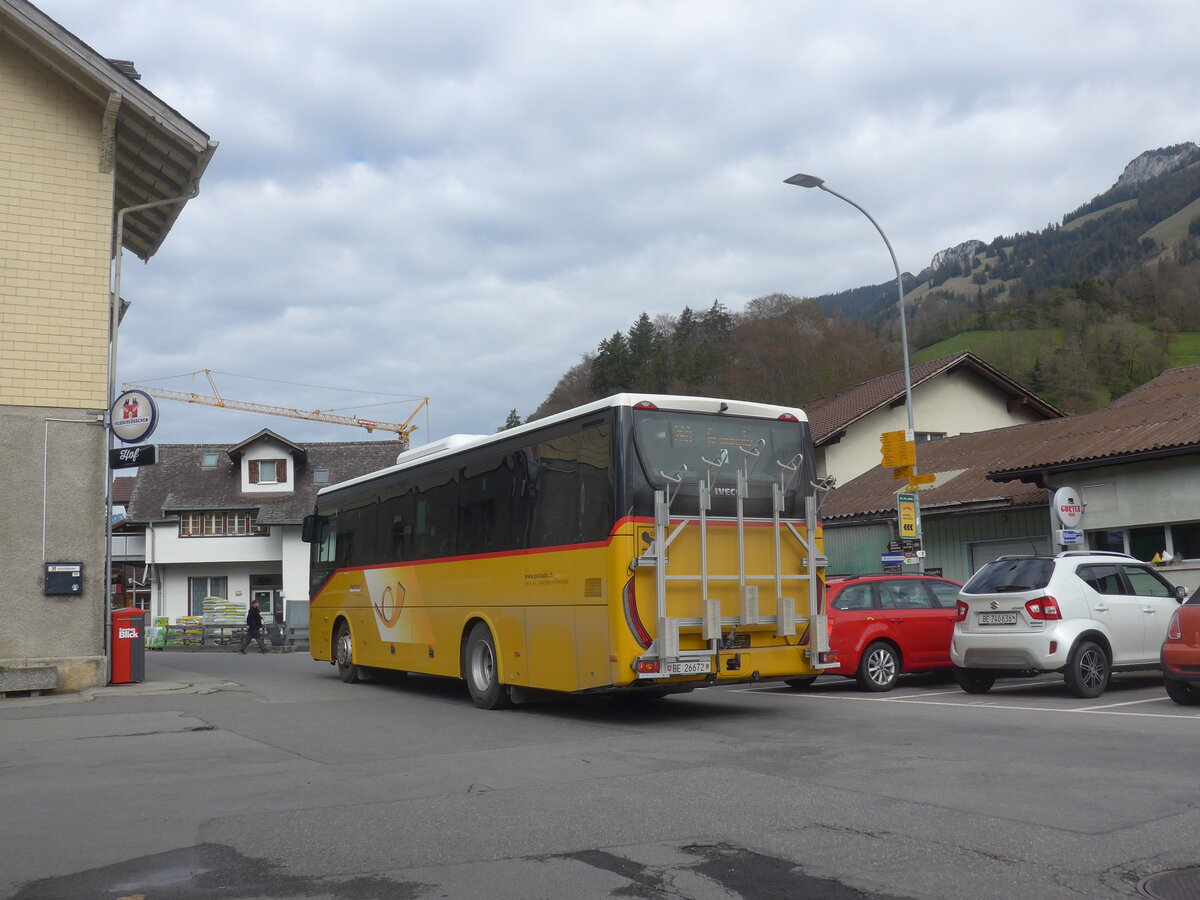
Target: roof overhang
x,y
1041,475
155,153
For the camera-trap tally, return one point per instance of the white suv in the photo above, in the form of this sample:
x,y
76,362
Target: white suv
x,y
1082,613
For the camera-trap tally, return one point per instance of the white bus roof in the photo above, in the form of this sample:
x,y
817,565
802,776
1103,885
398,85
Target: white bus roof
x,y
455,443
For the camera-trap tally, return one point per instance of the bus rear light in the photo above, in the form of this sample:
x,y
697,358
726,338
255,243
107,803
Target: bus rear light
x,y
828,658
788,417
648,666
632,619
644,404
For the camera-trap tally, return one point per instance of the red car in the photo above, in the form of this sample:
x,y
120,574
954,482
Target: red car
x,y
1181,654
883,625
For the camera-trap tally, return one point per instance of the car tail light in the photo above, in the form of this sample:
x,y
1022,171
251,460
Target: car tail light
x,y
960,611
1043,608
632,618
1174,632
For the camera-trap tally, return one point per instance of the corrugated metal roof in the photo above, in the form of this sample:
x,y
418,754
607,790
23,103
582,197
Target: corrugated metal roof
x,y
1160,416
984,469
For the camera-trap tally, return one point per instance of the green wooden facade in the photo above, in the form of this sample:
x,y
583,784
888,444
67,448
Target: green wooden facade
x,y
948,540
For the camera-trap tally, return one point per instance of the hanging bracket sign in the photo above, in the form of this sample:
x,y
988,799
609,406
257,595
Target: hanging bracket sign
x,y
133,417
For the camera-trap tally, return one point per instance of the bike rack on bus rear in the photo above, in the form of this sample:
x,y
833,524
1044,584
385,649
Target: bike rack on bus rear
x,y
665,647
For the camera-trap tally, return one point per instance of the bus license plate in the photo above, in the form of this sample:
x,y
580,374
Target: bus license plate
x,y
688,667
1008,618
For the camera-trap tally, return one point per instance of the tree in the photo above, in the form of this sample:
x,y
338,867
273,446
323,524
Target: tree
x,y
513,420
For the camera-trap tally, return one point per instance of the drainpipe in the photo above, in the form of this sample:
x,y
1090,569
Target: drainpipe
x,y
115,317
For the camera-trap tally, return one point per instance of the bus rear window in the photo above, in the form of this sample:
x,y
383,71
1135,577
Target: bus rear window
x,y
680,445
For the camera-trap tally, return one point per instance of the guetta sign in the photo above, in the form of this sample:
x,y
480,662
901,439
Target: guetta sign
x,y
1068,507
133,417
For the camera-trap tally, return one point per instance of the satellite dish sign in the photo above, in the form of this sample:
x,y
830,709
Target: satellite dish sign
x,y
133,417
1068,507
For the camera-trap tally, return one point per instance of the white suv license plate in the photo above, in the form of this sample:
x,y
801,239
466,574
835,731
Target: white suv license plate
x,y
1008,618
688,667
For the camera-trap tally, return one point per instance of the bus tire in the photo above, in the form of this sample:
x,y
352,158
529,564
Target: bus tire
x,y
343,655
482,671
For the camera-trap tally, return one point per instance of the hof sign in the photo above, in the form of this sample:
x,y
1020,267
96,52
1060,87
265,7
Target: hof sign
x,y
133,417
128,457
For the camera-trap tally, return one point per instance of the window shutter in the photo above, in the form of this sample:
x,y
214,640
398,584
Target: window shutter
x,y
281,471
254,471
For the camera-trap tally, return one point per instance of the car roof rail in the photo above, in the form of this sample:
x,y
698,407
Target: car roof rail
x,y
1019,556
1096,553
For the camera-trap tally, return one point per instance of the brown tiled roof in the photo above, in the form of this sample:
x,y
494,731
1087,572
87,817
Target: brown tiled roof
x,y
178,482
830,415
122,490
984,469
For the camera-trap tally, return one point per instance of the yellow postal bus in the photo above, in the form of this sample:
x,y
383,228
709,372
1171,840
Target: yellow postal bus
x,y
645,544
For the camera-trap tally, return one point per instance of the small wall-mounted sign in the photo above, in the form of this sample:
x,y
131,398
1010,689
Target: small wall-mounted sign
x,y
63,578
127,457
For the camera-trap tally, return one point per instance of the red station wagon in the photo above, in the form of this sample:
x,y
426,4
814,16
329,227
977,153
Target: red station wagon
x,y
883,625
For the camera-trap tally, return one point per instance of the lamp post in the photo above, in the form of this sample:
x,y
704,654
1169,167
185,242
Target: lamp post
x,y
812,181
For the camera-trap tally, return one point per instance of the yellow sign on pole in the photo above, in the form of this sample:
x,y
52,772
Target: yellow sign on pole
x,y
897,449
915,481
907,509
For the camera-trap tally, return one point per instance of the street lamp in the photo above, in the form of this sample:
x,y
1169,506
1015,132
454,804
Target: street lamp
x,y
812,181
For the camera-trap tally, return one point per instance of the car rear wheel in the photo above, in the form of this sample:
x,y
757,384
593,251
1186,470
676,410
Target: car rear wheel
x,y
1087,671
1181,692
879,668
974,681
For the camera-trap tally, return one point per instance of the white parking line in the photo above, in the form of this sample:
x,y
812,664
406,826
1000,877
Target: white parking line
x,y
1126,703
1105,710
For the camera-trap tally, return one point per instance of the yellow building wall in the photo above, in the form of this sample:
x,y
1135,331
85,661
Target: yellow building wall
x,y
55,236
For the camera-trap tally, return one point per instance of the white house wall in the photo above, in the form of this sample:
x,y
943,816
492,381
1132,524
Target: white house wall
x,y
954,403
171,597
1149,493
295,575
170,548
265,448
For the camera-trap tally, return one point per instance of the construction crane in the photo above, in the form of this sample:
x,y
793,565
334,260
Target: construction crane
x,y
402,431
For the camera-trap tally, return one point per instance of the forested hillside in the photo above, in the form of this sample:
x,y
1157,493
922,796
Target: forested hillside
x,y
1080,312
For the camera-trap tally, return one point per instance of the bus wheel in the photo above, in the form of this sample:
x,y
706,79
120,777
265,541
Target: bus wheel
x,y
343,655
482,672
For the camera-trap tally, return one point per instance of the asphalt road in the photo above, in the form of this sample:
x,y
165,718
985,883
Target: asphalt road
x,y
266,777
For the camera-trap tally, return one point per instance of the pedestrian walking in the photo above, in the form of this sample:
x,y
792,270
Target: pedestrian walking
x,y
254,630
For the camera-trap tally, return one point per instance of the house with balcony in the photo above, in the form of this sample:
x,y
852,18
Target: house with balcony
x,y
225,521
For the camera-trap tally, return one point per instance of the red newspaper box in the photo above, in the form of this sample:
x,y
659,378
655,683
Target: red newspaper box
x,y
128,646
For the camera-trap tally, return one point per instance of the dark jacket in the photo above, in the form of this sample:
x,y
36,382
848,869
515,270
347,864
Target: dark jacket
x,y
254,620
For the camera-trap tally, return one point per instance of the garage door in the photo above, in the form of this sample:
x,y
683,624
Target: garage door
x,y
986,551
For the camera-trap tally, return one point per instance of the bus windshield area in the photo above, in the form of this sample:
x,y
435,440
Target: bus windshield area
x,y
686,447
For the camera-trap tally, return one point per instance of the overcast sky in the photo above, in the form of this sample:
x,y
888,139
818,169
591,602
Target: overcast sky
x,y
459,199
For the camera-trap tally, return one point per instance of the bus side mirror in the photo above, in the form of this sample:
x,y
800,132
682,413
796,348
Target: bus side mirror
x,y
313,530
